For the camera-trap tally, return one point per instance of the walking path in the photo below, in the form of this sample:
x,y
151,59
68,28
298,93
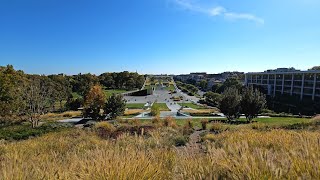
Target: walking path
x,y
194,144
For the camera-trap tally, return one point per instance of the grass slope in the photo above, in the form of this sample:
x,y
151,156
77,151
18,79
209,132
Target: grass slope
x,y
241,154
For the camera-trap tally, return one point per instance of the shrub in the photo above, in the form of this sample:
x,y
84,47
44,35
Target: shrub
x,y
155,110
204,124
24,131
188,127
104,129
209,137
120,120
218,128
170,122
180,140
156,120
316,120
135,122
259,126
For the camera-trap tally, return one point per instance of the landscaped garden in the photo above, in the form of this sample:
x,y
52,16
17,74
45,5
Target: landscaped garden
x,y
192,105
135,105
159,149
163,106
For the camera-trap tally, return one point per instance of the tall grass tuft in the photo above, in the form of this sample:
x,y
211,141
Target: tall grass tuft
x,y
170,122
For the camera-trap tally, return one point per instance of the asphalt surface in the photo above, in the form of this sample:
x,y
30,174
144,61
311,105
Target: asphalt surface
x,y
161,95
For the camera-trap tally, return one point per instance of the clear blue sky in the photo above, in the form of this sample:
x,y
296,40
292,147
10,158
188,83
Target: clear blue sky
x,y
158,36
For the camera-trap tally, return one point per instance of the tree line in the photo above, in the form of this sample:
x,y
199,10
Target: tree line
x,y
190,89
27,97
233,99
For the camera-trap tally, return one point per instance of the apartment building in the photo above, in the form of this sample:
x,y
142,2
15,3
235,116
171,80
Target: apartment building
x,y
305,84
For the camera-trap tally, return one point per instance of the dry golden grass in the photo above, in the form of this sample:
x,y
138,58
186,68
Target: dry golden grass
x,y
79,155
199,111
248,154
316,119
60,116
129,112
243,154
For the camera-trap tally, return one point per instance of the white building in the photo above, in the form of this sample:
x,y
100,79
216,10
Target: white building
x,y
305,84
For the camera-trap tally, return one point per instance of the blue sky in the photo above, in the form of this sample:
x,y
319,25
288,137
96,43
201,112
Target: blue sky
x,y
158,36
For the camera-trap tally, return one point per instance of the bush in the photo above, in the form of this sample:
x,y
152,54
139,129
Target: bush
x,y
218,128
156,120
209,137
188,127
120,120
316,120
260,127
180,141
135,122
170,122
204,124
155,110
24,131
104,129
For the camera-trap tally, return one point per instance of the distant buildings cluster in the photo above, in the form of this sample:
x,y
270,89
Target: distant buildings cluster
x,y
212,79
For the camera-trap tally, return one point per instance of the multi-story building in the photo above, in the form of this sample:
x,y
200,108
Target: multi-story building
x,y
304,84
210,78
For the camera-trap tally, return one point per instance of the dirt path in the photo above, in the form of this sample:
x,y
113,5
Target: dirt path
x,y
194,145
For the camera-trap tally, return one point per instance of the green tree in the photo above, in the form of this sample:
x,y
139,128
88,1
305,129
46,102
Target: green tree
x,y
107,80
94,103
37,98
315,68
252,102
115,106
229,83
155,110
140,81
203,84
12,85
217,88
230,103
82,83
212,99
61,89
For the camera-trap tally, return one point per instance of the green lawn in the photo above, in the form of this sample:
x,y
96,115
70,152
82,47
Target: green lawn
x,y
191,105
163,106
170,88
114,91
281,121
135,106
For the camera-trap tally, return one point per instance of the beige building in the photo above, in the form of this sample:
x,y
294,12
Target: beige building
x,y
305,84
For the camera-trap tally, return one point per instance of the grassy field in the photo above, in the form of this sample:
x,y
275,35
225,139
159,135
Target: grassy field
x,y
163,106
171,88
282,121
135,105
243,153
191,105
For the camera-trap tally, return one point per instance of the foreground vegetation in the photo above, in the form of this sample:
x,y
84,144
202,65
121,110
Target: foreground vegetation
x,y
126,151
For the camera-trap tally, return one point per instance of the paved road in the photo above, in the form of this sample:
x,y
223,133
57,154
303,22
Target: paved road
x,y
161,95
